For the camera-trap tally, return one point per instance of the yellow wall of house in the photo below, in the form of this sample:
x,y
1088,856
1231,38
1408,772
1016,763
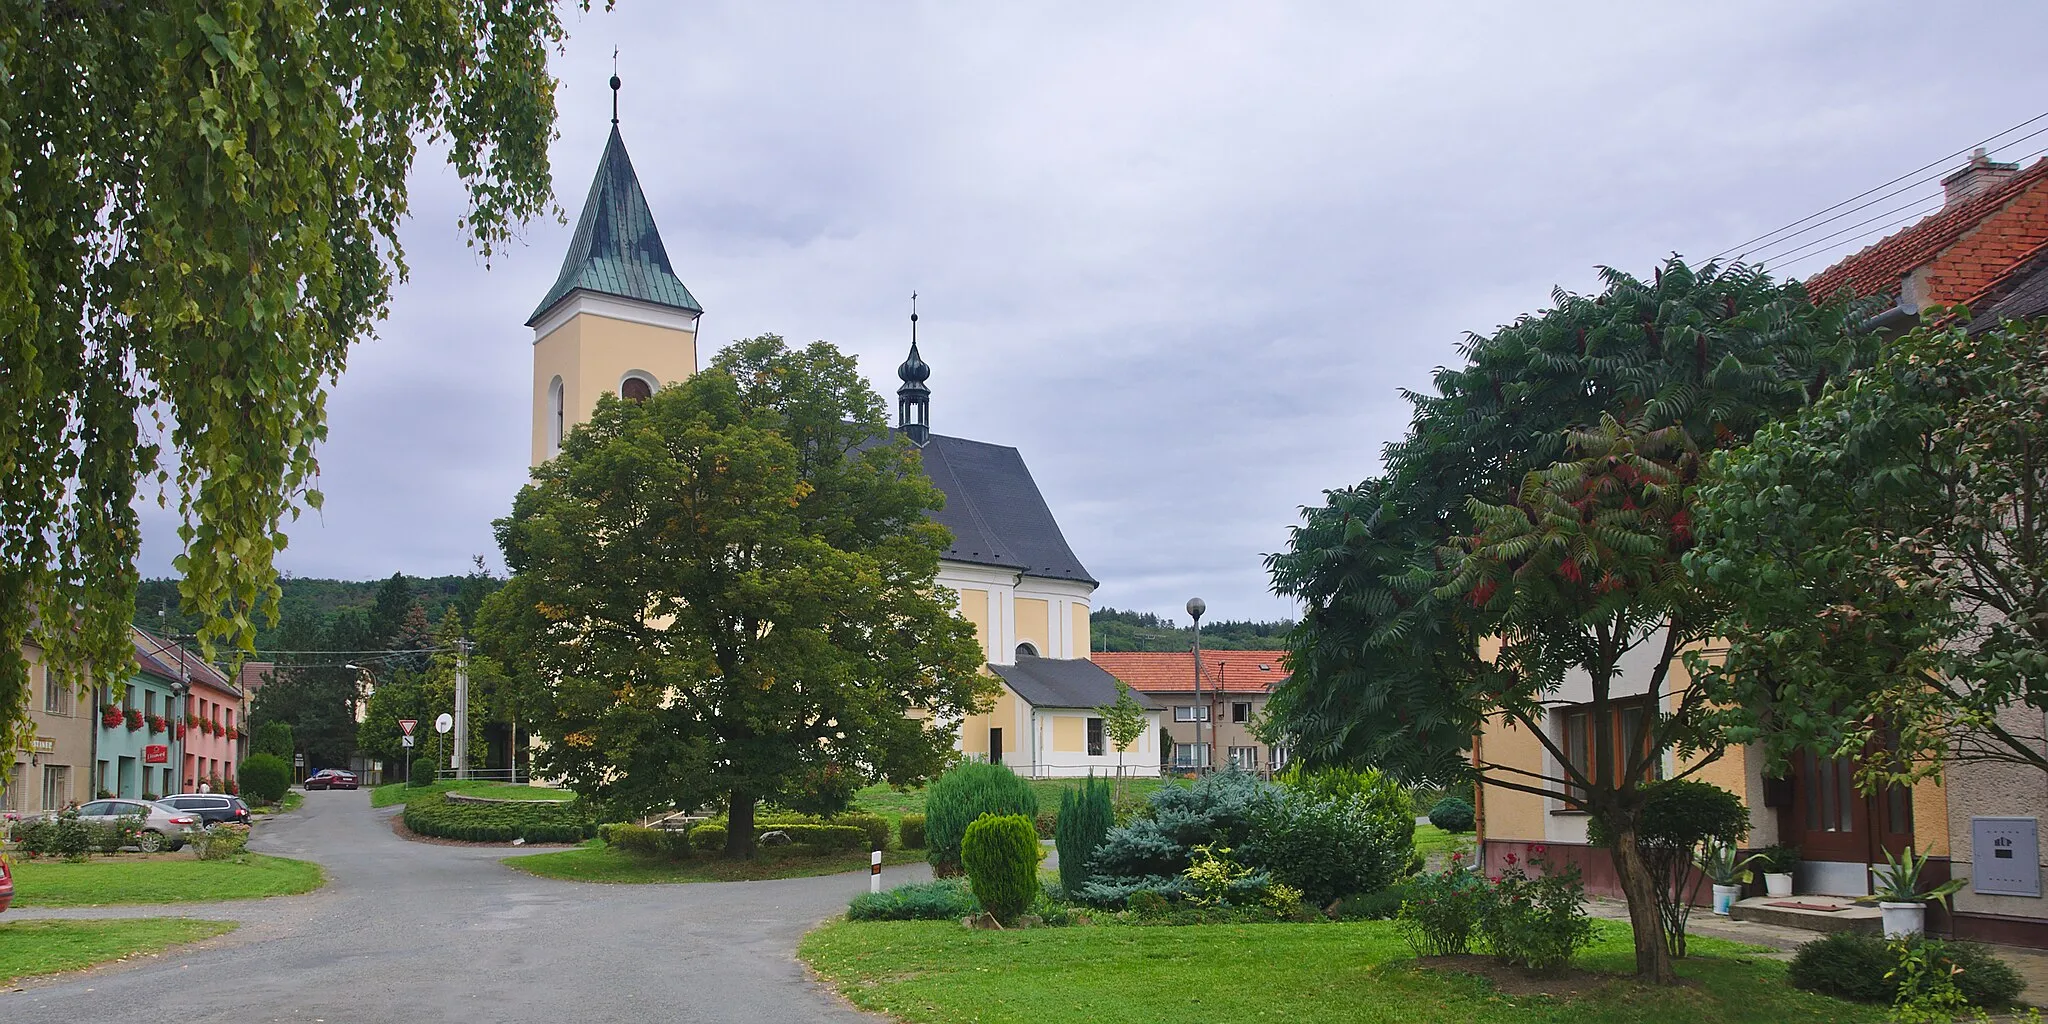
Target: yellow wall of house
x,y
1081,642
1069,735
1034,625
1930,818
974,608
1509,814
974,731
591,353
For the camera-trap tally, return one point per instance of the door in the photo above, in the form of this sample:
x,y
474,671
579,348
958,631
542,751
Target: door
x,y
1838,826
995,746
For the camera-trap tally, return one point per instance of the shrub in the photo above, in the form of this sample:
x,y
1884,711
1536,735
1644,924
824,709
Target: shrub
x,y
634,839
221,842
1331,843
1777,859
266,778
1384,905
535,821
63,836
959,797
823,838
118,834
947,899
708,837
1086,816
874,827
1852,965
1536,922
1676,817
271,738
1442,910
1152,853
423,772
1000,853
1452,814
910,831
1047,824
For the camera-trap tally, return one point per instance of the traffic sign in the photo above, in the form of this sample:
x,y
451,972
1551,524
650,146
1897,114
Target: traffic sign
x,y
444,724
405,725
406,740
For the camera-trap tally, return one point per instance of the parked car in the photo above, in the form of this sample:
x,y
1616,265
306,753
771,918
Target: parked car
x,y
212,808
163,827
330,778
6,886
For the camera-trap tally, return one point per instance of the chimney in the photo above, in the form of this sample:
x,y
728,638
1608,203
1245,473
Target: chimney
x,y
1979,176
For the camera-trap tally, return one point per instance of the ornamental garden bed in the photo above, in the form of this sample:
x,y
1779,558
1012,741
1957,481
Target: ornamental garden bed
x,y
433,815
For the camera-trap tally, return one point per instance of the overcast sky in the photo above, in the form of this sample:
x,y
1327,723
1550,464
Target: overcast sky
x,y
1183,256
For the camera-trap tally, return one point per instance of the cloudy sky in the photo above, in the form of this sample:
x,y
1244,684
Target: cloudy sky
x,y
1182,255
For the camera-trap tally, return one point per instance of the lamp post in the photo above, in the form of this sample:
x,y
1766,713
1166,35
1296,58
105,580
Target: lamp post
x,y
1196,606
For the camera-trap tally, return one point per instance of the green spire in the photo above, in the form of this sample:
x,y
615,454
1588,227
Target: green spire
x,y
616,249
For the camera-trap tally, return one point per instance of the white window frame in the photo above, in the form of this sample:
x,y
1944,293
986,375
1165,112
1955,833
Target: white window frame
x,y
1191,713
1238,757
1197,755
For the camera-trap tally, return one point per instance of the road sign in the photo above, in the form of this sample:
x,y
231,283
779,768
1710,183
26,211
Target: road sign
x,y
405,725
407,740
445,723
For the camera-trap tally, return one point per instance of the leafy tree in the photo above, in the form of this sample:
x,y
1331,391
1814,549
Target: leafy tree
x,y
1540,502
1125,722
201,218
315,693
273,738
732,585
1885,560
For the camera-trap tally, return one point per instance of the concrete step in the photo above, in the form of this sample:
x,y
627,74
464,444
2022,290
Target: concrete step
x,y
1812,913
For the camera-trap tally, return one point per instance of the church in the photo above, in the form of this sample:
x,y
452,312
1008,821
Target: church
x,y
619,320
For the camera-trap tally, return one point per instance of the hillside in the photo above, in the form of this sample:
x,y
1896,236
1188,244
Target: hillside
x,y
318,600
1113,630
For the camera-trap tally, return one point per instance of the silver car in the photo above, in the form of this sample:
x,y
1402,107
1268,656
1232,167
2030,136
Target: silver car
x,y
163,827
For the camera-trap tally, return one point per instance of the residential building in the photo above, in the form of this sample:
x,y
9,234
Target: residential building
x,y
52,768
136,751
1235,688
618,319
214,726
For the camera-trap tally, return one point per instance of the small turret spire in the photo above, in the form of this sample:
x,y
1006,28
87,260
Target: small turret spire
x,y
914,399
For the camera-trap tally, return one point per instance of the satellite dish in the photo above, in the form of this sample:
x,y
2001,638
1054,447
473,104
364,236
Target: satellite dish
x,y
445,723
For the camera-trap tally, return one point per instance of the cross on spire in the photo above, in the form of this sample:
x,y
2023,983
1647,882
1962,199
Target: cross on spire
x,y
615,85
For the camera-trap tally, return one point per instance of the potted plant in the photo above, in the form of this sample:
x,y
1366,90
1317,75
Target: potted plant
x,y
1901,898
110,716
1777,864
135,721
1726,869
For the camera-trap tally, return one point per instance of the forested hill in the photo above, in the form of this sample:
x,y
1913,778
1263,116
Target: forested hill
x,y
1113,630
315,602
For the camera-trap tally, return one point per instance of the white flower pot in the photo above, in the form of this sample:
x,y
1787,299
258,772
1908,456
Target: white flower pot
x,y
1778,883
1725,897
1904,920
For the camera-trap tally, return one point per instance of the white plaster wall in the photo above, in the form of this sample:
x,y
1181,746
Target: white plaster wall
x,y
1997,790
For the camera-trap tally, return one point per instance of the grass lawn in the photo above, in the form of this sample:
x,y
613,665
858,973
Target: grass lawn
x,y
893,805
935,972
593,862
1431,839
169,878
394,793
29,948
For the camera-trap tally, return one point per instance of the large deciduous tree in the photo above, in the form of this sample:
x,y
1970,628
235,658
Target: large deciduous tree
x,y
1884,560
199,218
1540,501
731,589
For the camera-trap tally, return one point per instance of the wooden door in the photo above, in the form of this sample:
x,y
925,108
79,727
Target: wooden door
x,y
1836,822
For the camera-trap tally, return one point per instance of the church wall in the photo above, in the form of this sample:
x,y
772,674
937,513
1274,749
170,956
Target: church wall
x,y
1069,735
974,608
612,348
1034,626
1079,629
592,353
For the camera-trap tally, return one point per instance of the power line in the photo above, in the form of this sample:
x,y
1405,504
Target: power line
x,y
1940,162
1792,258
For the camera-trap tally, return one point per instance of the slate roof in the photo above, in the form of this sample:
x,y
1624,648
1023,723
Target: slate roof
x,y
1063,683
1877,269
616,249
1174,671
997,516
2021,293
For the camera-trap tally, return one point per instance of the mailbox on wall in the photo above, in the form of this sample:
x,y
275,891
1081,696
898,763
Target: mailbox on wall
x,y
2005,856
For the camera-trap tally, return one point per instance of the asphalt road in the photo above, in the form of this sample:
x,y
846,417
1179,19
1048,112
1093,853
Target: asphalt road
x,y
410,932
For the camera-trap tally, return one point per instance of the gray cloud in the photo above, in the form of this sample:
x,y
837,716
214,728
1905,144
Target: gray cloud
x,y
1182,256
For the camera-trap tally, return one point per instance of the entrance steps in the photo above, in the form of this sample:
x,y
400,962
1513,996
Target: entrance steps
x,y
1810,913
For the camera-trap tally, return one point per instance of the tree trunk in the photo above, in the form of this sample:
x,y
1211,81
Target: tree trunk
x,y
1653,960
739,825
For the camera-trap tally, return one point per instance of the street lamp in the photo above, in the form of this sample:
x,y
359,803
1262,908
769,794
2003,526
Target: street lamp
x,y
1196,606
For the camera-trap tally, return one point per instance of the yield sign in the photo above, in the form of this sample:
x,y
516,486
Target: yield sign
x,y
405,725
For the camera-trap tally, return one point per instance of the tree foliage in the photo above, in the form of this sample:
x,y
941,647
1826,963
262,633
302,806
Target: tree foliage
x,y
1884,560
731,586
201,218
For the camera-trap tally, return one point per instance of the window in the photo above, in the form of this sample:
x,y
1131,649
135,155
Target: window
x,y
635,389
1197,713
56,786
554,417
1095,744
1244,757
1026,650
17,790
1189,756
1831,805
1240,711
1630,720
56,696
995,746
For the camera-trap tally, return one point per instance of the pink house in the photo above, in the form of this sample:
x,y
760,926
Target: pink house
x,y
213,728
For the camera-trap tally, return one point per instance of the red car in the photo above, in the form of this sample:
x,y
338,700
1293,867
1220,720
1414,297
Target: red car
x,y
6,886
330,778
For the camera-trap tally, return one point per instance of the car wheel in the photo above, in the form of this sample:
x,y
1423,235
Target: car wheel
x,y
151,841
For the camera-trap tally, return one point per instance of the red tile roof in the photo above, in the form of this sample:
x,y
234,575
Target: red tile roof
x,y
160,657
1877,269
1174,671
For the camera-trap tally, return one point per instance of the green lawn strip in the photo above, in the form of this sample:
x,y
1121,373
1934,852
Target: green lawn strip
x,y
932,972
595,863
106,881
29,948
1431,839
395,793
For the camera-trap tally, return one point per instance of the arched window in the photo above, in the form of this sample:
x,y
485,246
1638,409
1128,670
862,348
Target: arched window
x,y
1026,650
636,386
555,417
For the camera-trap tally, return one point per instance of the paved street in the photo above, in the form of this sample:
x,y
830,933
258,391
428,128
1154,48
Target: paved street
x,y
409,932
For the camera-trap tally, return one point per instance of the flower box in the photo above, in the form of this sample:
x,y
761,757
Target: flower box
x,y
135,721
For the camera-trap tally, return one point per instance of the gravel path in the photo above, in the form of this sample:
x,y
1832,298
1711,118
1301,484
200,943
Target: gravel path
x,y
411,932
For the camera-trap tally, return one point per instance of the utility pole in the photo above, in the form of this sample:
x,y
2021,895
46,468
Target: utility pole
x,y
1196,606
461,758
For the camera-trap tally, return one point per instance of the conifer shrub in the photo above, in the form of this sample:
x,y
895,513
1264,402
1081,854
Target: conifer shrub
x,y
959,797
910,831
945,899
1086,816
1000,853
1452,814
1151,853
265,778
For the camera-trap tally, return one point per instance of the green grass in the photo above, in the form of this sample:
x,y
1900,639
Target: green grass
x,y
1431,839
932,972
395,793
29,948
593,862
893,805
106,881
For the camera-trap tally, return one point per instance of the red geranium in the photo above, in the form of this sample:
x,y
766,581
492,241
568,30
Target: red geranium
x,y
158,724
110,716
135,721
181,732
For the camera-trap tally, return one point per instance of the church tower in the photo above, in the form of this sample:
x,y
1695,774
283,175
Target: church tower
x,y
617,319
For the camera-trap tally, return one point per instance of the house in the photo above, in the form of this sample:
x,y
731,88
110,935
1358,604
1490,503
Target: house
x,y
213,735
52,765
1985,248
618,319
1235,688
136,745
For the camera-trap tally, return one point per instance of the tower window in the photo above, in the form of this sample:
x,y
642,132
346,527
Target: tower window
x,y
635,389
554,417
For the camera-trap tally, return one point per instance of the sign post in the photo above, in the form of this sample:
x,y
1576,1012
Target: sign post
x,y
875,871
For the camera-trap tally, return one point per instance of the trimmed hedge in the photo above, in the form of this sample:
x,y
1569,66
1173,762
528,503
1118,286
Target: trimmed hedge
x,y
874,827
1452,814
536,821
947,899
910,831
653,842
831,838
708,837
954,800
1851,965
1000,853
264,778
